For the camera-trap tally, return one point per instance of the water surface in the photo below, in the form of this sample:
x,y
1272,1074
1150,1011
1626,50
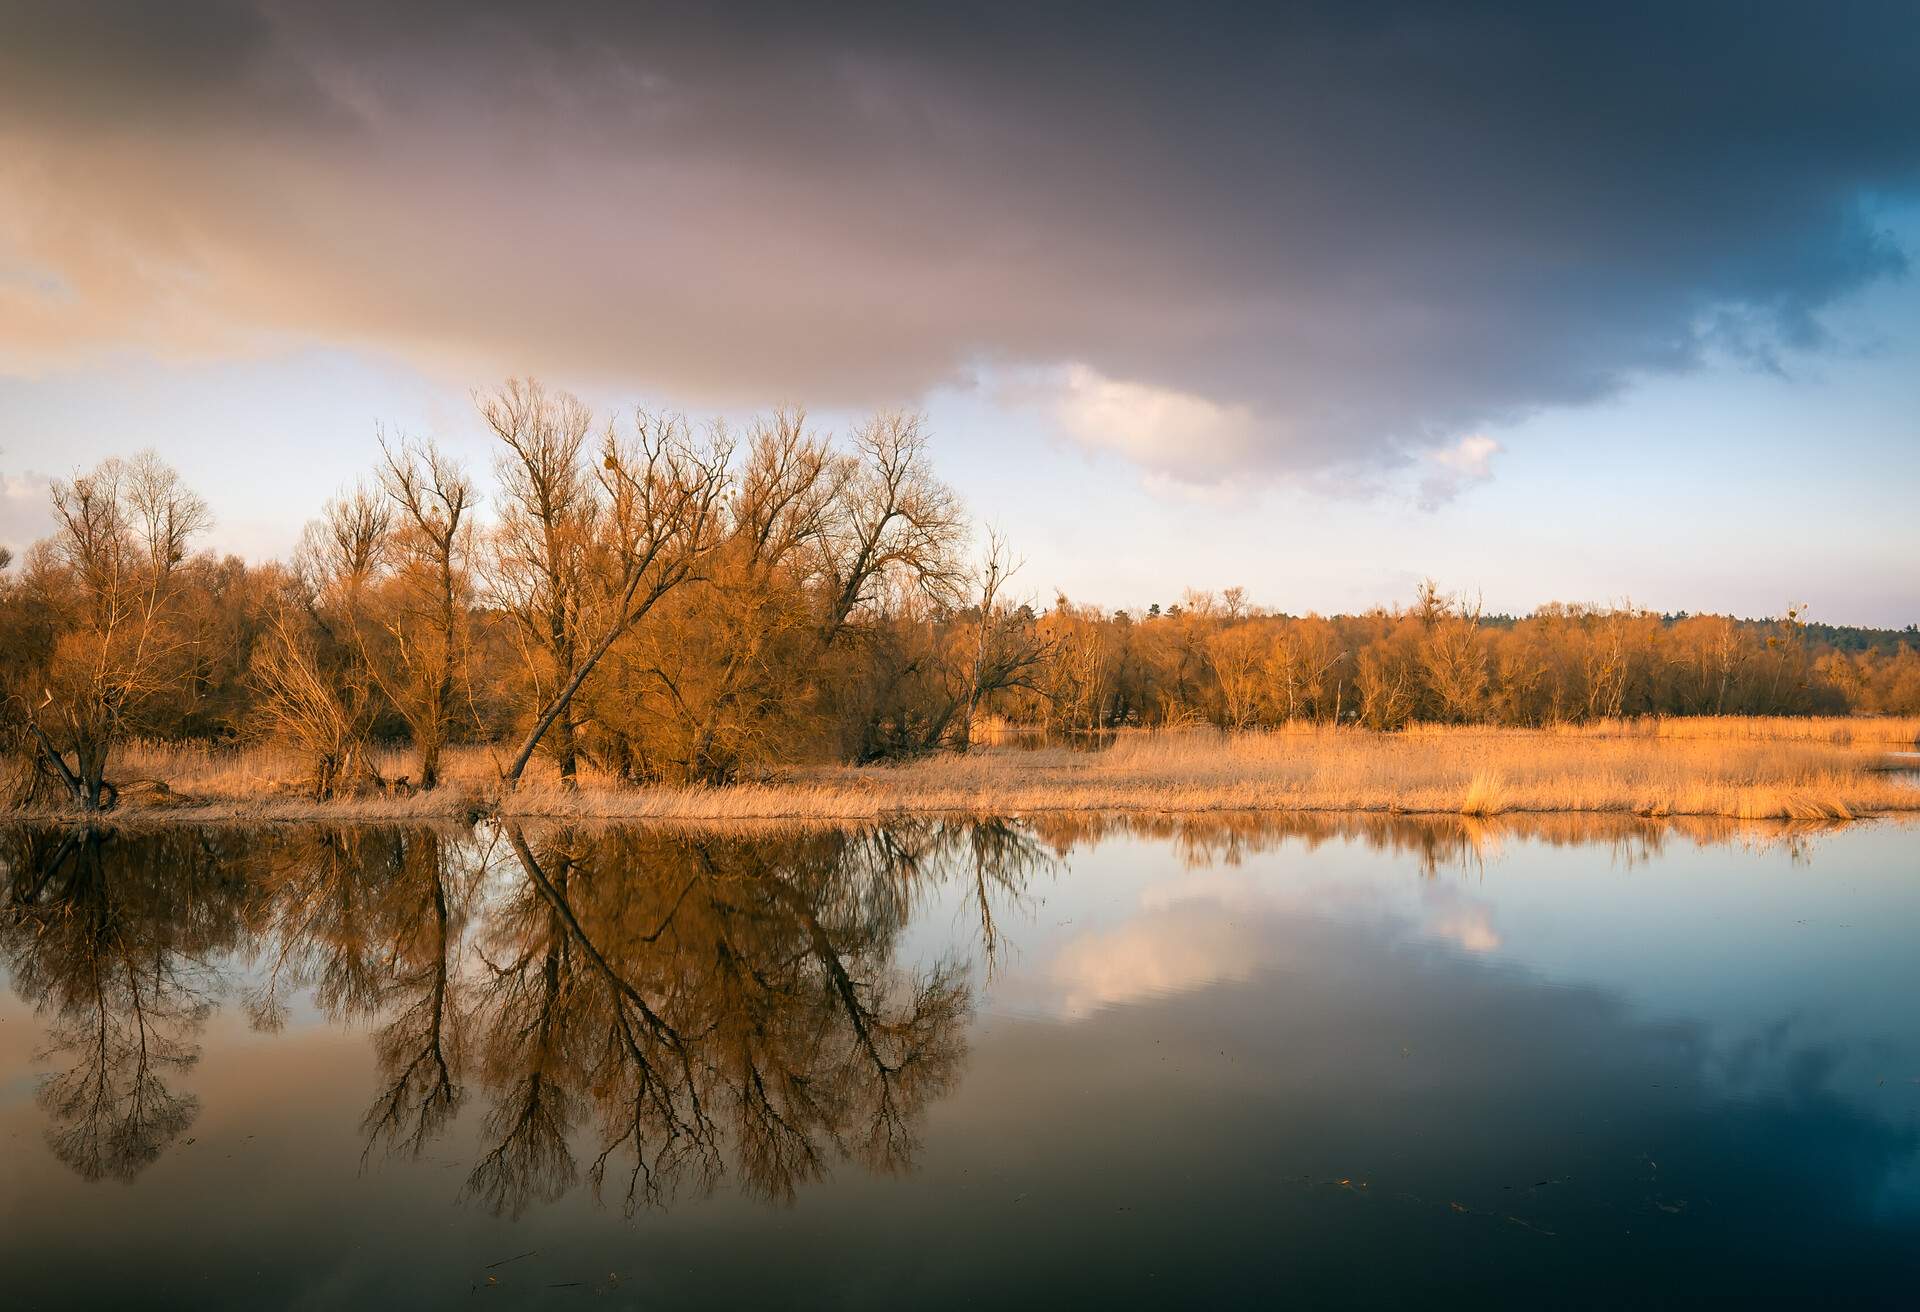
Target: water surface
x,y
1071,1062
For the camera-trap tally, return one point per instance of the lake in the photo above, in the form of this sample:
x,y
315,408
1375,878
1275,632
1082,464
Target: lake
x,y
1073,1061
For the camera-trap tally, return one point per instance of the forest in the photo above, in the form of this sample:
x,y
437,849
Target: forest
x,y
667,603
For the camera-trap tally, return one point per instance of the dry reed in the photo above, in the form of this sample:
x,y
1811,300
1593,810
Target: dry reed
x,y
1749,769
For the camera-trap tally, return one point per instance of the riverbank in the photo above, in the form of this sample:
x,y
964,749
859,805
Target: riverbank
x,y
1740,768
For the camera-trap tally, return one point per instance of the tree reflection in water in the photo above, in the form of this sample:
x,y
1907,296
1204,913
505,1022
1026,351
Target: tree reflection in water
x,y
369,922
648,1009
700,995
666,1008
112,944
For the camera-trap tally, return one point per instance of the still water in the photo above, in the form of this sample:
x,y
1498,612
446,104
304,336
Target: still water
x,y
1074,1062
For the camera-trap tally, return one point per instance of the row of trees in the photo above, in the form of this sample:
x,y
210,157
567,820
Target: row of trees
x,y
663,603
1215,660
667,604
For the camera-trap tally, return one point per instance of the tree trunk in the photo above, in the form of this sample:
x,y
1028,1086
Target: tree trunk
x,y
566,745
560,709
56,763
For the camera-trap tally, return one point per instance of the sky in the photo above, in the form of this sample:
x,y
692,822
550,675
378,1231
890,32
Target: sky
x,y
1547,302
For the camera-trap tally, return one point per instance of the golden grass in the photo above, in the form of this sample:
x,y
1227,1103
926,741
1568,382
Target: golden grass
x,y
1896,731
1748,769
1462,771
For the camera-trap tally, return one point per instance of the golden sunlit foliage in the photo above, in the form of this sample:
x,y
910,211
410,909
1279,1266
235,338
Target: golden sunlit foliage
x,y
1210,660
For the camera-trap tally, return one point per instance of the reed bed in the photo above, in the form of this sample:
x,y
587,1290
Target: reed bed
x,y
1895,731
1739,768
1462,771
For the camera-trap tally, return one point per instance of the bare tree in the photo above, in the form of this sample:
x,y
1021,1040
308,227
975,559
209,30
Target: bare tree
x,y
347,546
1385,687
121,539
547,512
898,519
1236,656
311,674
429,593
1080,668
726,673
1452,655
1297,668
582,556
323,710
1008,650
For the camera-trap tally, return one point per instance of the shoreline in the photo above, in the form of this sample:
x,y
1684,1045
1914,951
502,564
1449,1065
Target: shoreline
x,y
1736,775
1070,824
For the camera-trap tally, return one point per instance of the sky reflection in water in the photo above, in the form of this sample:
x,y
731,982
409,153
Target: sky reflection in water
x,y
1073,1060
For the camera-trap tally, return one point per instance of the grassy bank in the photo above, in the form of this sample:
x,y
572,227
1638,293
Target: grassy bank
x,y
1744,768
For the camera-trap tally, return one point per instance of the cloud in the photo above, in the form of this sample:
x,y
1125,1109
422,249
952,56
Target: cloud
x,y
1464,921
1202,927
1160,428
1289,241
1195,448
1452,470
1156,953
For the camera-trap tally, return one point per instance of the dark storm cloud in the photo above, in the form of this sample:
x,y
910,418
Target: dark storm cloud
x,y
1219,237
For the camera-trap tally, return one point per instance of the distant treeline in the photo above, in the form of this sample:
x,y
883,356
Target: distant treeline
x,y
1834,637
675,605
1214,659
